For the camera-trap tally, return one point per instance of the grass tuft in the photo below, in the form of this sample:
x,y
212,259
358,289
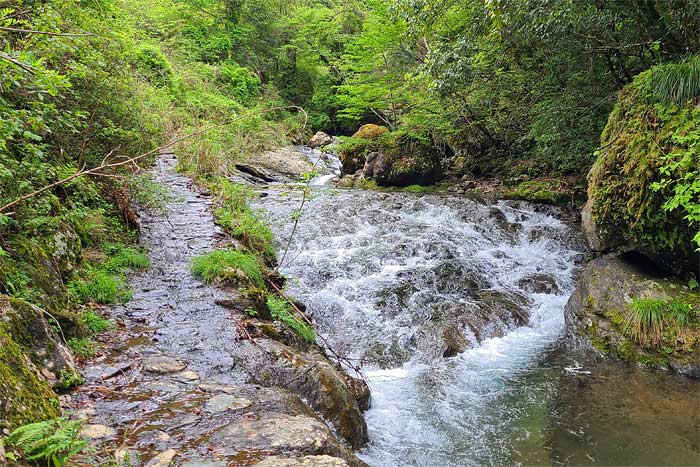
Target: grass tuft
x,y
228,265
281,310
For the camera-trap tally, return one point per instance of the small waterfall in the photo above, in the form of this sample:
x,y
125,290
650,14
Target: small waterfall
x,y
327,165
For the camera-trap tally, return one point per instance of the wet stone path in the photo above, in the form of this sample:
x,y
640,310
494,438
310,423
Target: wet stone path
x,y
165,389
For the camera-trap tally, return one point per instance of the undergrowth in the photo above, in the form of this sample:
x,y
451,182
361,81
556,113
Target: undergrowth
x,y
228,265
103,281
281,310
52,442
663,323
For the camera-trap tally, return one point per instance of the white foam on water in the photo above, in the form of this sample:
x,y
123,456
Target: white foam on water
x,y
367,267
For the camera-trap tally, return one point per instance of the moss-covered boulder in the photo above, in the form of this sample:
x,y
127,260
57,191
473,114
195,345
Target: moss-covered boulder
x,y
625,308
25,396
40,341
625,209
405,160
354,150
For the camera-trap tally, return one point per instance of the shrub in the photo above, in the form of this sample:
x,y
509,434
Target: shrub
x,y
153,65
53,442
240,81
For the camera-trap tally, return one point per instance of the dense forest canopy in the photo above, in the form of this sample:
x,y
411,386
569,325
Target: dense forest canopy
x,y
501,87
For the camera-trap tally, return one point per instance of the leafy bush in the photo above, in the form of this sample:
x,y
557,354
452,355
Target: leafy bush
x,y
153,65
54,442
241,82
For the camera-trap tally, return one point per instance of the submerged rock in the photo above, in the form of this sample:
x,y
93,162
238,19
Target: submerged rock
x,y
306,461
163,364
600,315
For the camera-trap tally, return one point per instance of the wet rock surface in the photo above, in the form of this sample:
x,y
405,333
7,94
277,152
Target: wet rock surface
x,y
169,387
598,310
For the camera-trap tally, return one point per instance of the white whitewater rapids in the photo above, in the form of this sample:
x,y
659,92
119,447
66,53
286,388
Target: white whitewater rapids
x,y
385,275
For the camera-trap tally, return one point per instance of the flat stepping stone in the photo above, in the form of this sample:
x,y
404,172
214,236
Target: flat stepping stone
x,y
275,432
306,461
204,463
97,431
163,364
224,402
164,459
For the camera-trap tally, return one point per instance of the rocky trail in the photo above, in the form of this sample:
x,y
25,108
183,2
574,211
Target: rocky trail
x,y
176,385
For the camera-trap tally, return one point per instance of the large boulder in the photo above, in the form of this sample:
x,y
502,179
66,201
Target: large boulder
x,y
624,307
320,139
25,395
354,150
29,327
405,160
625,209
339,398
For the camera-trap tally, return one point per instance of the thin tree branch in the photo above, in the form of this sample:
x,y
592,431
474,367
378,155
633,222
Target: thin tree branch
x,y
132,160
46,33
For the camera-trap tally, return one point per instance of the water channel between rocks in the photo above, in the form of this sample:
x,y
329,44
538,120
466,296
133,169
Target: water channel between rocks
x,y
398,281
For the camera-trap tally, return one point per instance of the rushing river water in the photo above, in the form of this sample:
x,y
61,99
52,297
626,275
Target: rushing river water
x,y
401,281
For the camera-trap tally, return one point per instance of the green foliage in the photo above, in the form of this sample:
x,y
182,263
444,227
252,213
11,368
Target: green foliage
x,y
240,81
53,442
153,65
228,265
281,310
244,223
83,347
676,83
94,322
105,281
644,186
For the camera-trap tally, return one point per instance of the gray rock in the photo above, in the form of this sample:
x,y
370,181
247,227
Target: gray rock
x,y
97,431
598,308
539,283
164,459
30,328
203,463
306,461
339,398
224,402
320,139
275,433
163,364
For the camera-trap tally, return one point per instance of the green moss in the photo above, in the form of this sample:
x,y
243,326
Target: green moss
x,y
26,396
627,351
538,191
640,138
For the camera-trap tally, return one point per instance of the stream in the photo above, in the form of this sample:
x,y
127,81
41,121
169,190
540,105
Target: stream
x,y
400,281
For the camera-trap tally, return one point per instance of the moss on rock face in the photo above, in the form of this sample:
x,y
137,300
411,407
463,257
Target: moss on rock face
x,y
607,318
623,209
407,160
24,395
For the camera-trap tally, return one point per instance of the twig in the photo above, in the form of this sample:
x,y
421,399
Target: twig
x,y
28,68
46,33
